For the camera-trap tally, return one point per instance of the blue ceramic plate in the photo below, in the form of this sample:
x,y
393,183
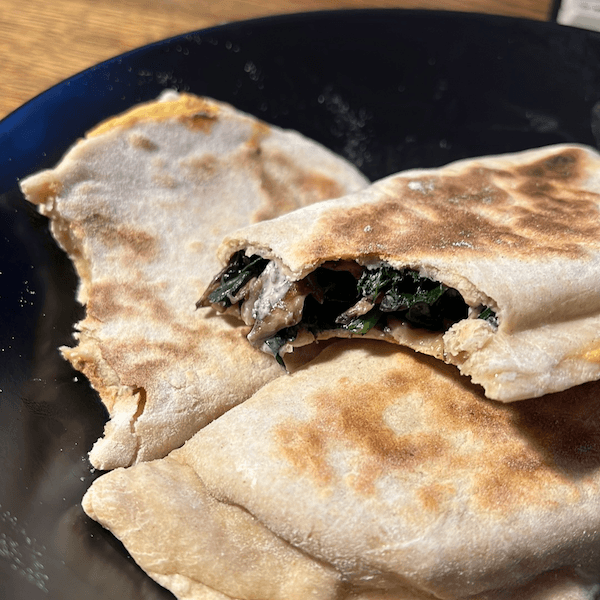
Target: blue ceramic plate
x,y
386,89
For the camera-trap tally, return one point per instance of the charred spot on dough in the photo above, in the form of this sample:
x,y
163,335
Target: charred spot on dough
x,y
535,188
141,142
524,462
568,164
504,487
464,411
564,427
351,415
338,237
103,303
517,473
151,360
304,446
138,359
201,168
434,496
551,442
195,112
320,187
362,422
551,211
276,189
164,180
529,453
200,121
311,187
557,433
108,301
260,131
143,245
471,212
280,173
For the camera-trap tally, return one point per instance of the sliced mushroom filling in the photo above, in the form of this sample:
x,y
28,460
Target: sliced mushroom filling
x,y
340,295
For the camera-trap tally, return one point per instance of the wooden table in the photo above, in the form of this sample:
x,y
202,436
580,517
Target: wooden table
x,y
42,42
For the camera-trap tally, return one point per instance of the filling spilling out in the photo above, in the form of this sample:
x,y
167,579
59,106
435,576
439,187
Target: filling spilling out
x,y
339,296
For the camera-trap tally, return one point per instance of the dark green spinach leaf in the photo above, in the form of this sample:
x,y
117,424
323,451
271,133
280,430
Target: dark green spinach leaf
x,y
364,323
279,340
487,314
239,272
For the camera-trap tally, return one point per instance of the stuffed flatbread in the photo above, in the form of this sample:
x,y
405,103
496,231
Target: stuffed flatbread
x,y
389,473
491,264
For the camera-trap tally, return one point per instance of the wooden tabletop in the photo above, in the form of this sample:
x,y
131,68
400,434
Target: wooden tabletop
x,y
42,42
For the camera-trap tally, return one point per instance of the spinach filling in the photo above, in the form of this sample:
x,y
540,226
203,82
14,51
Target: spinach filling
x,y
240,270
418,300
339,299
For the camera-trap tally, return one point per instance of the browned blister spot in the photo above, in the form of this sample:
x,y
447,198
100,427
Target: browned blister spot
x,y
148,362
126,299
141,243
113,235
278,174
201,121
139,361
260,131
565,165
141,142
196,113
318,187
164,180
537,210
547,446
564,428
435,495
201,168
351,415
362,423
445,438
104,303
304,446
520,477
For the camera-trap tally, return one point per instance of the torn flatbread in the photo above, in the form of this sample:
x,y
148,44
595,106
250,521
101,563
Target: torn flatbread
x,y
140,205
491,264
372,474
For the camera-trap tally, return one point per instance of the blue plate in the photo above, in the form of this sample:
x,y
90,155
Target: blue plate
x,y
387,89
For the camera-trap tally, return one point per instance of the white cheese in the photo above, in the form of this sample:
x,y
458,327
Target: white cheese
x,y
274,287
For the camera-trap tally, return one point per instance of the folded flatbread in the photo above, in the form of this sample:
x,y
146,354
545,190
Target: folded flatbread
x,y
140,206
197,546
374,473
490,264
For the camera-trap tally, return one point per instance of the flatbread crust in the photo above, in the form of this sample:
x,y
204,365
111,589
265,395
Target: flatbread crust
x,y
388,473
140,205
397,471
518,233
196,546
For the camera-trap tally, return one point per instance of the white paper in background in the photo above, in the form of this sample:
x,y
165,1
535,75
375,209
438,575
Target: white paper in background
x,y
580,13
